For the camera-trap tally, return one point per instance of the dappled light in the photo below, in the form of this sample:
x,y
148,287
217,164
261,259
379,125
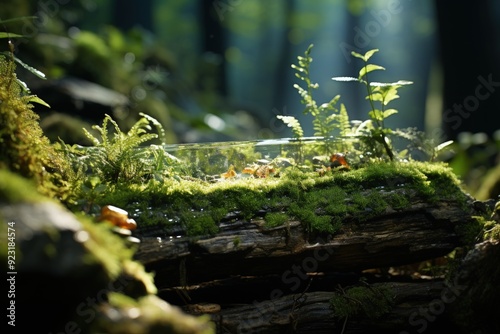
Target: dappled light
x,y
236,166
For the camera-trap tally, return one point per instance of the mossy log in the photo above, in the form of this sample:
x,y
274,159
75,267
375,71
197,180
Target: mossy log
x,y
246,247
252,277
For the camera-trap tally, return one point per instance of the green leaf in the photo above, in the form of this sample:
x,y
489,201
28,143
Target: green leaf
x,y
343,121
16,19
369,68
34,71
358,55
376,115
309,49
330,105
443,145
389,112
375,96
9,35
369,54
345,79
389,95
402,154
36,99
23,86
394,84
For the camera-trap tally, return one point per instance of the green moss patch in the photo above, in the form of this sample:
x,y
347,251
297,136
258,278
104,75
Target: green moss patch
x,y
364,301
321,203
15,188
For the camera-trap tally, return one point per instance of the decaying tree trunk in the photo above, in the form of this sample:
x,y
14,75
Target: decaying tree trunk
x,y
254,279
418,233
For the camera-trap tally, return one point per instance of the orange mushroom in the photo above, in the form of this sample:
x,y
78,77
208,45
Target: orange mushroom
x,y
117,217
338,160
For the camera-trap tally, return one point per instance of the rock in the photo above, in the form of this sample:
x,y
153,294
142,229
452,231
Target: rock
x,y
68,272
53,274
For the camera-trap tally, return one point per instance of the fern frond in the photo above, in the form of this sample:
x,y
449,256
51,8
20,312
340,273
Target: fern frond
x,y
293,123
159,128
343,121
93,139
324,125
118,131
140,127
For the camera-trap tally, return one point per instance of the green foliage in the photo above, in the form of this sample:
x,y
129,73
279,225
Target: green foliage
x,y
14,189
274,219
24,148
293,123
117,158
321,210
383,93
370,138
199,224
328,120
364,301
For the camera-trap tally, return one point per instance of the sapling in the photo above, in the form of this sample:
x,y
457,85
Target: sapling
x,y
377,92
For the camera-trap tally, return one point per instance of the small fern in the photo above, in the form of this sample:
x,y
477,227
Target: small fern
x,y
328,120
117,158
294,124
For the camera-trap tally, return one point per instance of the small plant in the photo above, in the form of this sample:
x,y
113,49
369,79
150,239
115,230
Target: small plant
x,y
328,120
370,138
364,300
294,124
120,158
380,92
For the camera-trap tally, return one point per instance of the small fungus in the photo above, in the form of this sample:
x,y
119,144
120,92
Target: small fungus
x,y
117,217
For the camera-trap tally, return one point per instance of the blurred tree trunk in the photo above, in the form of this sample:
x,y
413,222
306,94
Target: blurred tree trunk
x,y
212,13
469,57
284,53
128,14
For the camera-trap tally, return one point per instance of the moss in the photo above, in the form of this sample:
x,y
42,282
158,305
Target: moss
x,y
398,201
492,231
321,203
24,149
148,314
376,203
199,224
359,201
15,188
248,202
362,301
236,241
105,247
274,219
471,232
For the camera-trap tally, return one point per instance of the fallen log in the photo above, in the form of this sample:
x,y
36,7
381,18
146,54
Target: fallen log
x,y
312,312
253,277
396,237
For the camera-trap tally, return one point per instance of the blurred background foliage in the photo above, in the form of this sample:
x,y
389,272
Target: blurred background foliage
x,y
212,70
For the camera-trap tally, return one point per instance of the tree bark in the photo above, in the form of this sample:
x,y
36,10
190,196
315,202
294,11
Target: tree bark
x,y
420,232
253,279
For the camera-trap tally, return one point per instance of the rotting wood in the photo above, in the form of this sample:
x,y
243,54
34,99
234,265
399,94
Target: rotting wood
x,y
251,279
311,312
422,231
